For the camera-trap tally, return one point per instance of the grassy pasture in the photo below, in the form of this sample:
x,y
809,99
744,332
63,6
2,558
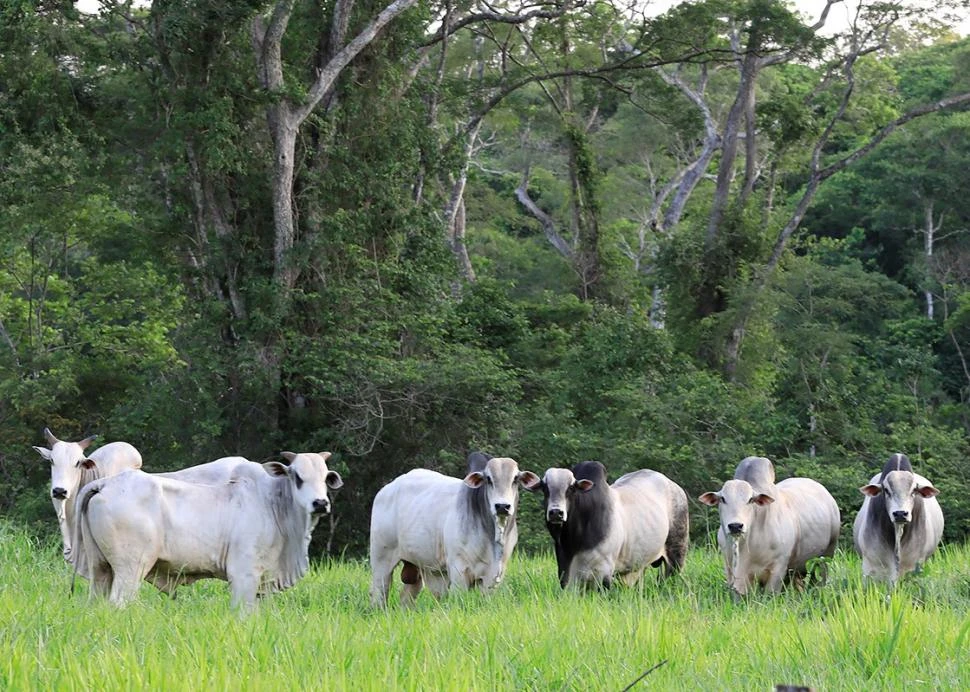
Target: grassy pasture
x,y
527,636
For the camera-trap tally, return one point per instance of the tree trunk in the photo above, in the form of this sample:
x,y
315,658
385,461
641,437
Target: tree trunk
x,y
455,209
729,140
930,228
285,271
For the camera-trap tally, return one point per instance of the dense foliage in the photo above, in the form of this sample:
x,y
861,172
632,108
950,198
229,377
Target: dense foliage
x,y
667,242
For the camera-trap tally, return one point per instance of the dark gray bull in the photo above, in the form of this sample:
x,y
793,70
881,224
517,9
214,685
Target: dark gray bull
x,y
601,531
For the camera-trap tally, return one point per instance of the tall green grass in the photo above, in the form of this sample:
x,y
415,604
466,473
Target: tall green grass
x,y
528,635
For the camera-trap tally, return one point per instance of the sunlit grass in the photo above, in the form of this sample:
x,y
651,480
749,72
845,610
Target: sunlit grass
x,y
528,635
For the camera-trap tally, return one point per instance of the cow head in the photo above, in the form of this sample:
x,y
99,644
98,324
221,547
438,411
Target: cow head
x,y
67,461
558,487
500,479
899,490
736,502
310,479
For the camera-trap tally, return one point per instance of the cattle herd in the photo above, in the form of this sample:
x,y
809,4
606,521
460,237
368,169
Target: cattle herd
x,y
250,524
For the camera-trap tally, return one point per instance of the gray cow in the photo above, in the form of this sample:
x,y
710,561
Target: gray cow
x,y
900,523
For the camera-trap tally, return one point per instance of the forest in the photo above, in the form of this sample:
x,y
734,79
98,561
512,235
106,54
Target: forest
x,y
556,230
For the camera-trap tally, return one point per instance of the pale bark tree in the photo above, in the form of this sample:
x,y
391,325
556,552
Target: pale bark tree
x,y
287,112
668,199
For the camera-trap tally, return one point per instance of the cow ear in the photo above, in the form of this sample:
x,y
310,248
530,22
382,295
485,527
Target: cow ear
x,y
871,490
325,455
86,442
87,463
761,499
474,479
927,490
530,481
334,480
710,499
585,485
275,468
44,452
289,456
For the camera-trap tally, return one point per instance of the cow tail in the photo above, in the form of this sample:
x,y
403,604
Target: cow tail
x,y
86,553
677,536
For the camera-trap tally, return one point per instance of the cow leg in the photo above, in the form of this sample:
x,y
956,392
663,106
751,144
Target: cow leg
x,y
776,577
382,570
127,579
460,577
437,584
243,586
101,578
631,578
163,583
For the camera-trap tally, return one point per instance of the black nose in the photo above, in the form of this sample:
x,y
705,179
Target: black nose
x,y
502,509
900,516
321,506
59,493
735,527
555,516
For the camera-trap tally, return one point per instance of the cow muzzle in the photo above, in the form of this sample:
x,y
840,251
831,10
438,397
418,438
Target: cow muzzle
x,y
556,517
58,493
901,517
735,528
321,506
503,509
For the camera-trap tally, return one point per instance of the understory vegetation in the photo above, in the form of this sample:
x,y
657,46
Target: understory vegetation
x,y
527,635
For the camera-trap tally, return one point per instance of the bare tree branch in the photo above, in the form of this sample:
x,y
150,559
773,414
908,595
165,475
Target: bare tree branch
x,y
548,225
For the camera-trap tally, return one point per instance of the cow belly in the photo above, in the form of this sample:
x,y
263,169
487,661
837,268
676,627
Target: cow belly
x,y
166,572
189,555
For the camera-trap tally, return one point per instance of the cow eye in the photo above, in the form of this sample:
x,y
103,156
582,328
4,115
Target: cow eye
x,y
488,479
722,500
299,481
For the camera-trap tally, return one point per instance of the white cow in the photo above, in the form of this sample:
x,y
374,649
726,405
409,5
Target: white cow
x,y
209,473
447,531
252,531
71,470
900,524
769,530
601,531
